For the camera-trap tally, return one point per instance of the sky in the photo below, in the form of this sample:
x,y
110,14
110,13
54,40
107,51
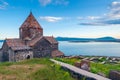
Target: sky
x,y
65,18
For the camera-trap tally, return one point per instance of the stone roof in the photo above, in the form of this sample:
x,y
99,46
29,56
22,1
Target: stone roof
x,y
31,22
16,44
35,40
57,53
20,48
51,39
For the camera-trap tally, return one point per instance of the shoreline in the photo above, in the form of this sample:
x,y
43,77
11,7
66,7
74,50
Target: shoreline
x,y
91,56
98,59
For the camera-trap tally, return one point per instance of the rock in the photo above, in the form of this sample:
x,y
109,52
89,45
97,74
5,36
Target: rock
x,y
91,59
114,75
77,64
86,58
85,65
107,58
113,59
100,57
103,62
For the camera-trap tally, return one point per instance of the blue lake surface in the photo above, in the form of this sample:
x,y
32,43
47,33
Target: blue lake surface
x,y
89,48
1,43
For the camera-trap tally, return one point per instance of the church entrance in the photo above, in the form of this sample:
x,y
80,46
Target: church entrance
x,y
28,57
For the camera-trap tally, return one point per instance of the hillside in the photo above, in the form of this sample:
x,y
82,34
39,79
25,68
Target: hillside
x,y
109,39
34,69
102,39
72,39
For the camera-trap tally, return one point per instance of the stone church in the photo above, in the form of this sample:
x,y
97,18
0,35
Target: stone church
x,y
30,44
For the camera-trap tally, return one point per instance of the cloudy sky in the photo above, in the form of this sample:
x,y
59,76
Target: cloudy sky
x,y
66,18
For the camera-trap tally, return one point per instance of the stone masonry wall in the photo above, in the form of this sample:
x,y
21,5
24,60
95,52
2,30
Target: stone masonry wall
x,y
22,55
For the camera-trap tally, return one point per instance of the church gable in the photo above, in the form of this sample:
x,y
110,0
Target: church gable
x,y
42,48
4,51
31,22
4,46
30,28
43,43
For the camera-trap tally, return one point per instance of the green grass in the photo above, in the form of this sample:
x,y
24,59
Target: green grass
x,y
67,60
34,69
104,68
95,67
55,73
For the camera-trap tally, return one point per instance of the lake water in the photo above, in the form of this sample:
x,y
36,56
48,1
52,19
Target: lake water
x,y
89,48
1,44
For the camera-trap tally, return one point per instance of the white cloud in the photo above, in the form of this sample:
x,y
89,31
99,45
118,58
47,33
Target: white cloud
x,y
45,2
53,2
115,4
89,18
93,17
93,24
51,18
110,18
114,10
61,2
3,4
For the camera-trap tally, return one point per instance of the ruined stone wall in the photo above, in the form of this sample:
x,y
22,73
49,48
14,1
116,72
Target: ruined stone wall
x,y
114,75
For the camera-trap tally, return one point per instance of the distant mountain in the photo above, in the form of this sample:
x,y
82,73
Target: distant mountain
x,y
72,39
1,40
107,39
103,39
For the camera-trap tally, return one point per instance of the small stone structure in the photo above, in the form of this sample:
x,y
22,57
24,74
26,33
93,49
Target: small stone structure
x,y
114,75
77,64
84,64
30,44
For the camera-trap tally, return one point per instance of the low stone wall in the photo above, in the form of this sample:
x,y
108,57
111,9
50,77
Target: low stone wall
x,y
77,76
114,75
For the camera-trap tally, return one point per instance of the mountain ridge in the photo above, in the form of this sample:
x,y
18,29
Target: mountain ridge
x,y
101,39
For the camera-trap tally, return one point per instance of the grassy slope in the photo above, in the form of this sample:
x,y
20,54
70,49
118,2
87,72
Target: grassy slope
x,y
34,69
95,67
